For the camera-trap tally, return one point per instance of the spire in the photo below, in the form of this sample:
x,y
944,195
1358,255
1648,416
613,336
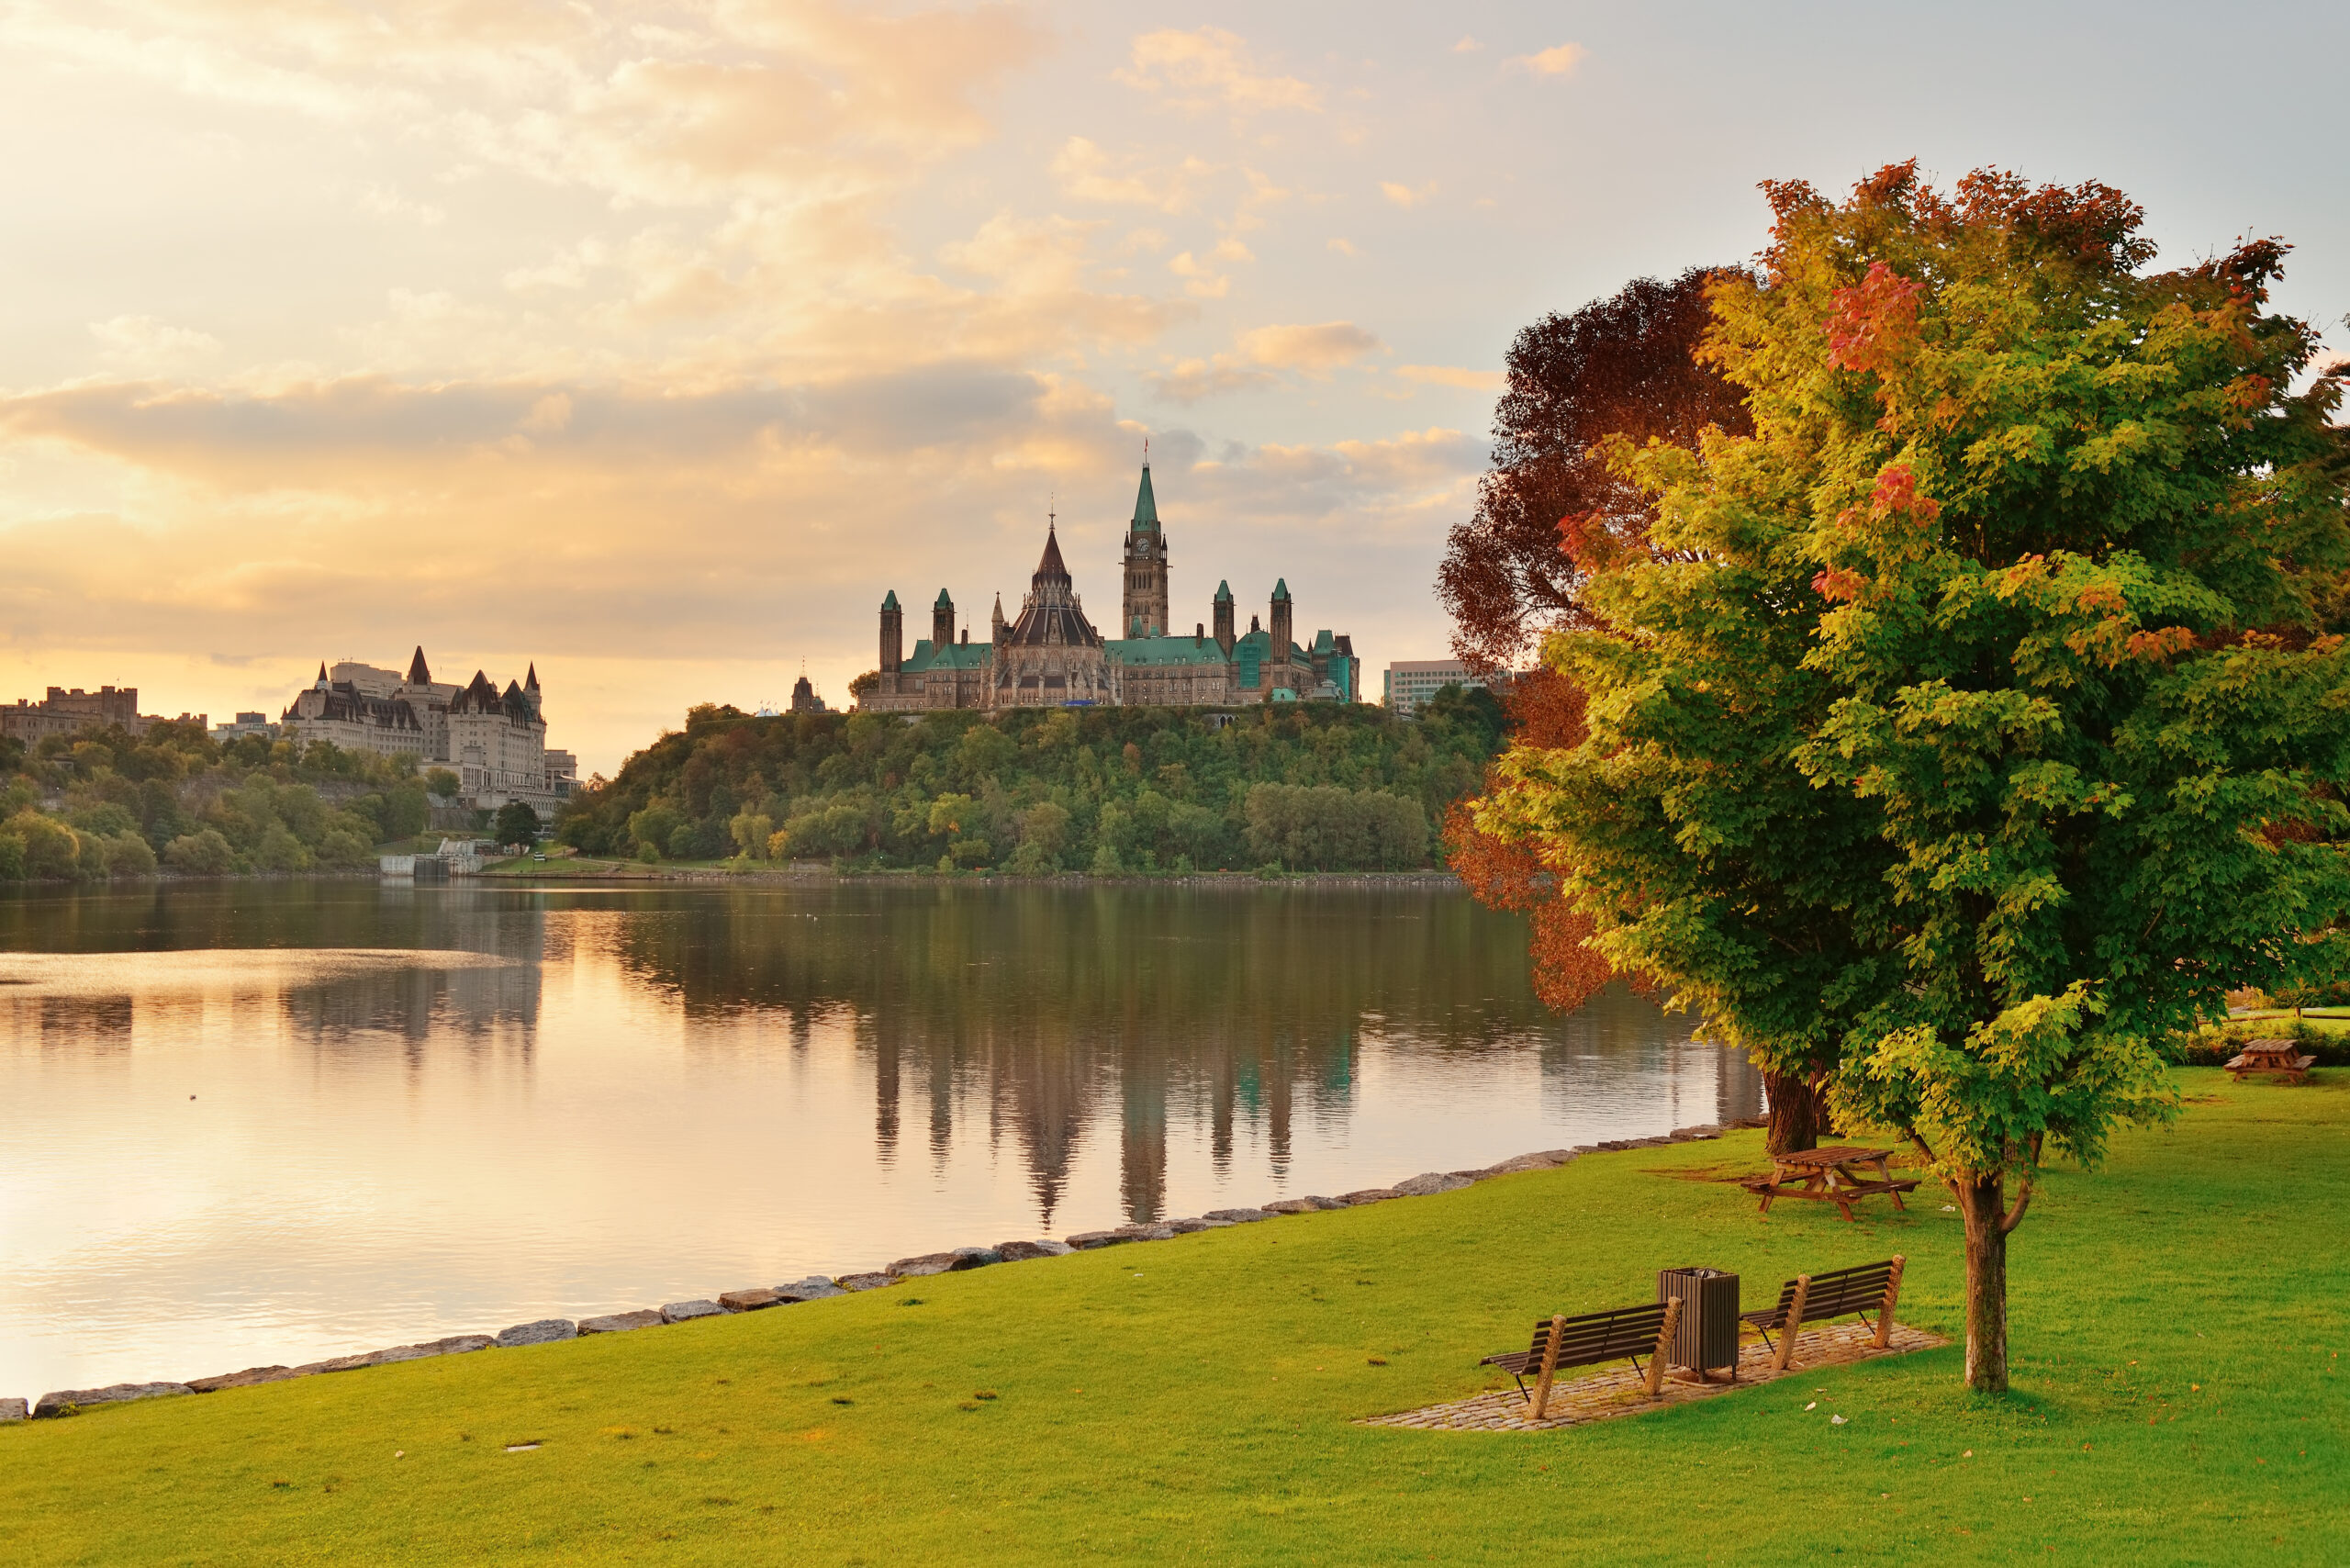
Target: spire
x,y
890,602
531,680
1281,588
1050,568
1146,503
419,672
1223,593
322,672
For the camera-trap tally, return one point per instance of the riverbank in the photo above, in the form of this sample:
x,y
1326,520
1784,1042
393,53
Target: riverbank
x,y
2179,1398
585,869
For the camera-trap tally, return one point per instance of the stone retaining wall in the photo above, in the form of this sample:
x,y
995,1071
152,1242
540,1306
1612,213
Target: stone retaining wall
x,y
816,1287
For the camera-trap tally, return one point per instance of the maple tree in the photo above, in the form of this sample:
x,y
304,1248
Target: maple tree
x,y
1981,717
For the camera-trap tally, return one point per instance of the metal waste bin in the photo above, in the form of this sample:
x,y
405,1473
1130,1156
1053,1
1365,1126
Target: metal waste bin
x,y
1705,1339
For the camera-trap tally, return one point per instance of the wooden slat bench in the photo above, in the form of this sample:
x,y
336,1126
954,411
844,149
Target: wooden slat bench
x,y
1625,1333
1817,1298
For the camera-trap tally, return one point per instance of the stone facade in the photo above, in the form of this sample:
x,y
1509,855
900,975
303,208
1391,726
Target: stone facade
x,y
64,713
1051,655
494,741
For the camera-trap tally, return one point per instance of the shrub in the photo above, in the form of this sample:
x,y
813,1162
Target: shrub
x,y
52,849
126,854
201,853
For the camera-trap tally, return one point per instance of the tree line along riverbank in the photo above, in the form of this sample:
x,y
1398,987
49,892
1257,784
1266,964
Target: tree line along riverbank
x,y
1107,791
104,803
1200,1396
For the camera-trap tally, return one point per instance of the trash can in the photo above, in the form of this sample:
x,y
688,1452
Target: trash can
x,y
1705,1339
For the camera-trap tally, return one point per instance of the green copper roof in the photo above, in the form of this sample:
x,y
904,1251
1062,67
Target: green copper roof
x,y
890,602
1138,651
943,602
927,656
1223,593
1145,504
1281,588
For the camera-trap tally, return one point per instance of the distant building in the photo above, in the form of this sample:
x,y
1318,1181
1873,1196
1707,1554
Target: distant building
x,y
1411,682
1052,656
62,713
246,724
804,698
494,741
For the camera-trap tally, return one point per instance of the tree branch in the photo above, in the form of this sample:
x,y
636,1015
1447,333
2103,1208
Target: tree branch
x,y
2015,1214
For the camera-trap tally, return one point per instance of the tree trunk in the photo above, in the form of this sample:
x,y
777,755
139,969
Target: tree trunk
x,y
1982,1201
1798,1112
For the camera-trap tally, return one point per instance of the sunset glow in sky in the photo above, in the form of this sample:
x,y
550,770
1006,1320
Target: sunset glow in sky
x,y
654,341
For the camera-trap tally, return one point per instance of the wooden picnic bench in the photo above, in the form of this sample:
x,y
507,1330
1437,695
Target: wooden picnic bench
x,y
1625,1333
2279,1057
1817,1298
1833,1175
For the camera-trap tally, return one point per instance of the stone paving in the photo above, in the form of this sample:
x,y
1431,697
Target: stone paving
x,y
1622,1391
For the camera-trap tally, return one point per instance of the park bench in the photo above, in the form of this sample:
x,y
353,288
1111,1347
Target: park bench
x,y
2279,1057
1818,1298
1625,1333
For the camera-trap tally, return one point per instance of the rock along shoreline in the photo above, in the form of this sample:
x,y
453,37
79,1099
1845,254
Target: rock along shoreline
x,y
817,1287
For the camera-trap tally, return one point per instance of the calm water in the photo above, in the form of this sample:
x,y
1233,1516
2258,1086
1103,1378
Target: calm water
x,y
276,1122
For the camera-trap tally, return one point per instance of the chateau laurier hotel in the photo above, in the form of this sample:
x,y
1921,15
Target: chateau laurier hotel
x,y
1052,656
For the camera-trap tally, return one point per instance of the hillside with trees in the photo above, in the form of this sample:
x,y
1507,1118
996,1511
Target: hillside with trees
x,y
107,803
1106,790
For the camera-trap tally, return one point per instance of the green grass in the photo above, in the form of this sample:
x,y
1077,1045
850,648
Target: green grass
x,y
2179,1398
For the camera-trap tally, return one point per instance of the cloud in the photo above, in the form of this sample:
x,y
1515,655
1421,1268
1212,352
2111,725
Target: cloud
x,y
1557,61
1311,349
1468,45
1085,172
1210,69
1405,196
1344,247
1199,280
1453,376
1262,355
385,202
143,343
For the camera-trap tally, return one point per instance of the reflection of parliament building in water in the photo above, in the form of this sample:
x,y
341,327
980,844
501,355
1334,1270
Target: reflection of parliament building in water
x,y
1051,655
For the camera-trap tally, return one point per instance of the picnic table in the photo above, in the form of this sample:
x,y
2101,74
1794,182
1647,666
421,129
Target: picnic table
x,y
1836,1175
2282,1057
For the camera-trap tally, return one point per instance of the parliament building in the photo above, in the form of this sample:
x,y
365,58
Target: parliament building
x,y
1052,656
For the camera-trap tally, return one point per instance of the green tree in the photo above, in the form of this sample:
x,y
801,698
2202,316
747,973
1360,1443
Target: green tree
x,y
441,782
518,824
203,853
1978,721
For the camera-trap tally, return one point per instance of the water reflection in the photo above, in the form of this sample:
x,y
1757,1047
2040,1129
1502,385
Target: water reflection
x,y
272,1120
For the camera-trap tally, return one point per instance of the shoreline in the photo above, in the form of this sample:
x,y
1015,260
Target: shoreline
x,y
70,1402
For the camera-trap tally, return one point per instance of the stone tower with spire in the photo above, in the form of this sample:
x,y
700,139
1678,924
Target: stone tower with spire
x,y
1144,559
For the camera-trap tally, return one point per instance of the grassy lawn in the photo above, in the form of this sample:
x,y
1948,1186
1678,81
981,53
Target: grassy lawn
x,y
2179,1398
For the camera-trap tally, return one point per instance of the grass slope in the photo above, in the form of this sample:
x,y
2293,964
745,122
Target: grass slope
x,y
2179,1398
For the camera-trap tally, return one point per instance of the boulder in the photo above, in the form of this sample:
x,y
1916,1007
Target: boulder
x,y
1545,1160
1191,1225
1238,1216
11,1410
1430,1183
622,1322
872,1281
1321,1203
338,1363
1021,1251
1702,1130
815,1287
684,1311
65,1402
975,1257
244,1379
1086,1241
928,1263
1290,1206
1157,1231
1368,1195
544,1331
752,1300
455,1345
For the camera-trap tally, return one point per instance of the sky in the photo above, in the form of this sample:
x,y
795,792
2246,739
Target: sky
x,y
654,342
